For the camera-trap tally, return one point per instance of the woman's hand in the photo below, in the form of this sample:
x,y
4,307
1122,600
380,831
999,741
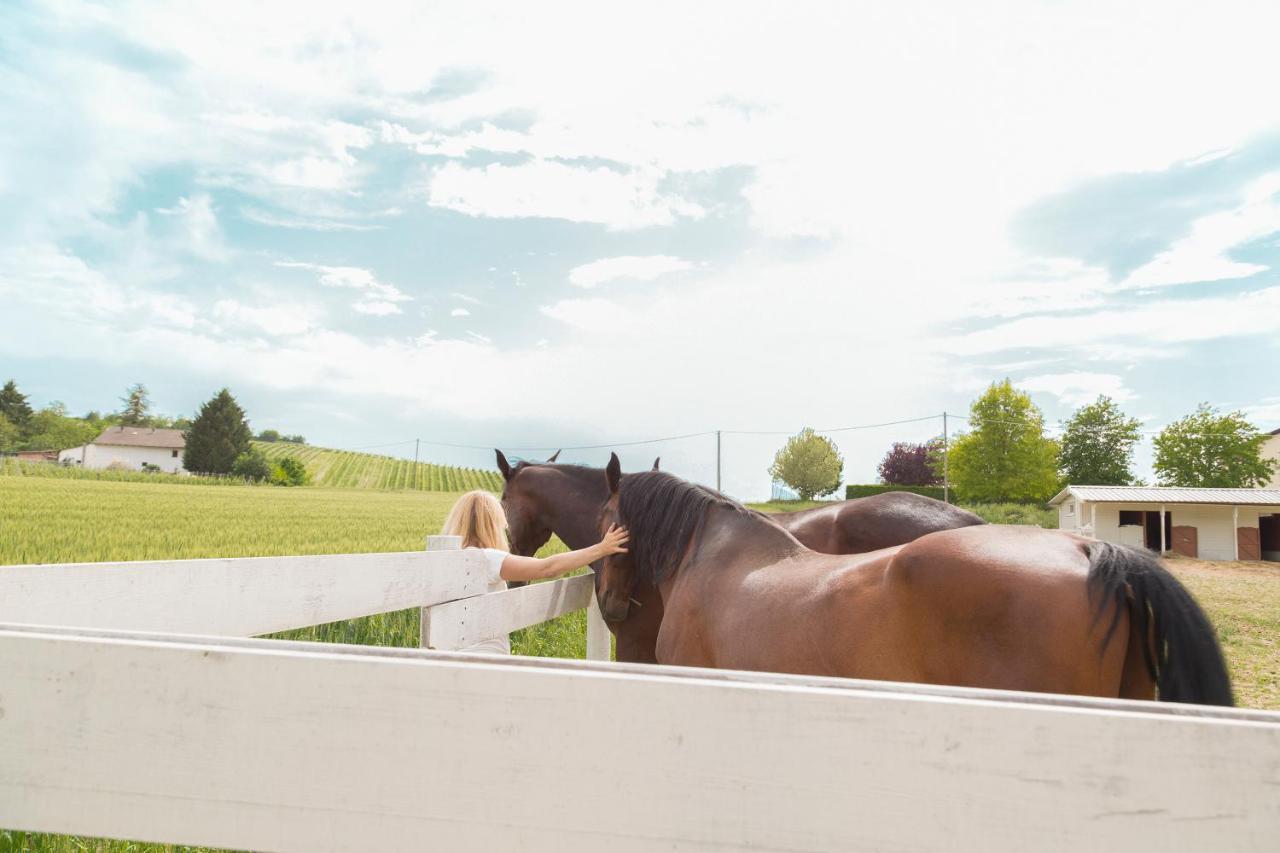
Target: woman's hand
x,y
614,540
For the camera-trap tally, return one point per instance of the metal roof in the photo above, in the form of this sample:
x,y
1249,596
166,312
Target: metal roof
x,y
124,436
1168,495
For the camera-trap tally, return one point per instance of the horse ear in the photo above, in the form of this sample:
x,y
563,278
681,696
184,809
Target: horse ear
x,y
613,473
554,457
503,465
655,464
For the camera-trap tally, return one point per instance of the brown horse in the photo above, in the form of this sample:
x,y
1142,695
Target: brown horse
x,y
991,606
542,499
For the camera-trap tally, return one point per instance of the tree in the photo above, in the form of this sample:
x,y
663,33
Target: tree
x,y
293,439
10,435
137,406
217,436
810,464
1005,456
51,429
252,466
290,472
1211,450
268,435
1097,447
14,406
908,464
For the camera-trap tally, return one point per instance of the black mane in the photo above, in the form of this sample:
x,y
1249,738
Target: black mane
x,y
663,513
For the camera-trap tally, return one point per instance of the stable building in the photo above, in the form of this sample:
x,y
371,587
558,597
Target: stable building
x,y
1211,524
131,447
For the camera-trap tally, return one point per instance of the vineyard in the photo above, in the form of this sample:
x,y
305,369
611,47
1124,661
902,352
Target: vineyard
x,y
343,469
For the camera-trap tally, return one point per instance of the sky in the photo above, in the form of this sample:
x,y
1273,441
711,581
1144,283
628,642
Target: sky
x,y
543,225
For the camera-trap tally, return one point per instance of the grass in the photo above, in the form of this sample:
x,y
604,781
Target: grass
x,y
79,519
344,469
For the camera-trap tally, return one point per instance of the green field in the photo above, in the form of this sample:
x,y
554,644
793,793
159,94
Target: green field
x,y
72,519
345,469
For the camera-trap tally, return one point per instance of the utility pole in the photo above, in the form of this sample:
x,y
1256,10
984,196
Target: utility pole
x,y
946,472
717,460
416,442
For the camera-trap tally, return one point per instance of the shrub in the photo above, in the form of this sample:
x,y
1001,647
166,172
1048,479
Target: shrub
x,y
862,491
289,472
252,466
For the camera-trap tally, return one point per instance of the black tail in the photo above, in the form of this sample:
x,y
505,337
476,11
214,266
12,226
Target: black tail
x,y
1185,663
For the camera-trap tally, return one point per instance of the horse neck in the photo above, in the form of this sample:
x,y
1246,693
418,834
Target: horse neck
x,y
730,537
572,506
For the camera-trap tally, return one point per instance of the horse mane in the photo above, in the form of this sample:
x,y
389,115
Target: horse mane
x,y
662,514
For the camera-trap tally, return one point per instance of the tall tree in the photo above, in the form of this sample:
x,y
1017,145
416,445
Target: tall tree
x,y
10,435
14,405
1097,447
1005,456
809,463
137,406
1211,450
908,464
217,436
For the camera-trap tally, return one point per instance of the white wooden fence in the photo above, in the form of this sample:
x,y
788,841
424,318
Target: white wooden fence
x,y
117,719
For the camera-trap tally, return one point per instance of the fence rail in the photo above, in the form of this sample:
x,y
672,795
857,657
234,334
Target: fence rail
x,y
115,721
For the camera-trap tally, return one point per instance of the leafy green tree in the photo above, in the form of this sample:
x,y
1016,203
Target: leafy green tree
x,y
253,466
217,437
810,464
293,439
290,472
268,435
1211,450
1097,447
1005,456
52,429
14,405
137,406
10,435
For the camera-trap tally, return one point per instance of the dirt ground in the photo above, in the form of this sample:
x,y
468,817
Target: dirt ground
x,y
1243,600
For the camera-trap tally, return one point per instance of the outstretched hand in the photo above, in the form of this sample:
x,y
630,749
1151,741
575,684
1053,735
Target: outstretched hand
x,y
615,540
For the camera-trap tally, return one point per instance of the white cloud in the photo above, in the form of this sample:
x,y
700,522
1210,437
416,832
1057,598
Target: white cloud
x,y
263,217
459,312
639,267
378,298
475,336
465,298
1203,254
1265,414
280,319
552,190
1078,388
200,233
596,314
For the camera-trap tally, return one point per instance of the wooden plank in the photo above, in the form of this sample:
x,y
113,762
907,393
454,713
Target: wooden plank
x,y
599,637
458,624
249,745
235,597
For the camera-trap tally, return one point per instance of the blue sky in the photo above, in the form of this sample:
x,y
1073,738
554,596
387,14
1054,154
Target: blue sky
x,y
564,225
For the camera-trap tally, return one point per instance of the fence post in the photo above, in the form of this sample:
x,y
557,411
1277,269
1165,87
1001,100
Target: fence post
x,y
434,543
598,635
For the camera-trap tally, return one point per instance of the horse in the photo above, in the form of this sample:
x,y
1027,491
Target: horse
x,y
544,498
1005,607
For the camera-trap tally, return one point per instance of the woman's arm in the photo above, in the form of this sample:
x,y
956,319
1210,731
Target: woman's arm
x,y
516,568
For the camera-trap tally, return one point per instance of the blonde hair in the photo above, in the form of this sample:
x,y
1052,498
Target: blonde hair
x,y
478,518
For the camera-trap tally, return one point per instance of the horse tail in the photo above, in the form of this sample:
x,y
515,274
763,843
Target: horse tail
x,y
1179,646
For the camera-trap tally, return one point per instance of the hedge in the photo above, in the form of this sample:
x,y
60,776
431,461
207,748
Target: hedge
x,y
852,491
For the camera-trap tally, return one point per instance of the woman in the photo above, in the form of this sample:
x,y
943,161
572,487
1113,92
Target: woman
x,y
478,518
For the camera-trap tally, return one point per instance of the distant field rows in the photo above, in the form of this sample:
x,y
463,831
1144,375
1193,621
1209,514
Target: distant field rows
x,y
344,469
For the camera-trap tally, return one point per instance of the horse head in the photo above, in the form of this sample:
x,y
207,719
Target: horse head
x,y
527,526
615,577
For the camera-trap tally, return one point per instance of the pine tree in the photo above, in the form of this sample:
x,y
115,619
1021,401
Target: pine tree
x,y
217,437
14,406
137,406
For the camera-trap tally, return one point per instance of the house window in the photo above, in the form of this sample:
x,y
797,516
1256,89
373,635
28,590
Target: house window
x,y
175,454
1130,517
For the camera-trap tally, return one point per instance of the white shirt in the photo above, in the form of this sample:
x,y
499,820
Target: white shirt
x,y
494,558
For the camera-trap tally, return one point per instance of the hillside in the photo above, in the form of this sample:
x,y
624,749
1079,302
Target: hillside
x,y
344,469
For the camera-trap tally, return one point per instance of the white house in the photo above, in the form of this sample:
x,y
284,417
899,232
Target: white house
x,y
130,447
1212,524
1271,450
